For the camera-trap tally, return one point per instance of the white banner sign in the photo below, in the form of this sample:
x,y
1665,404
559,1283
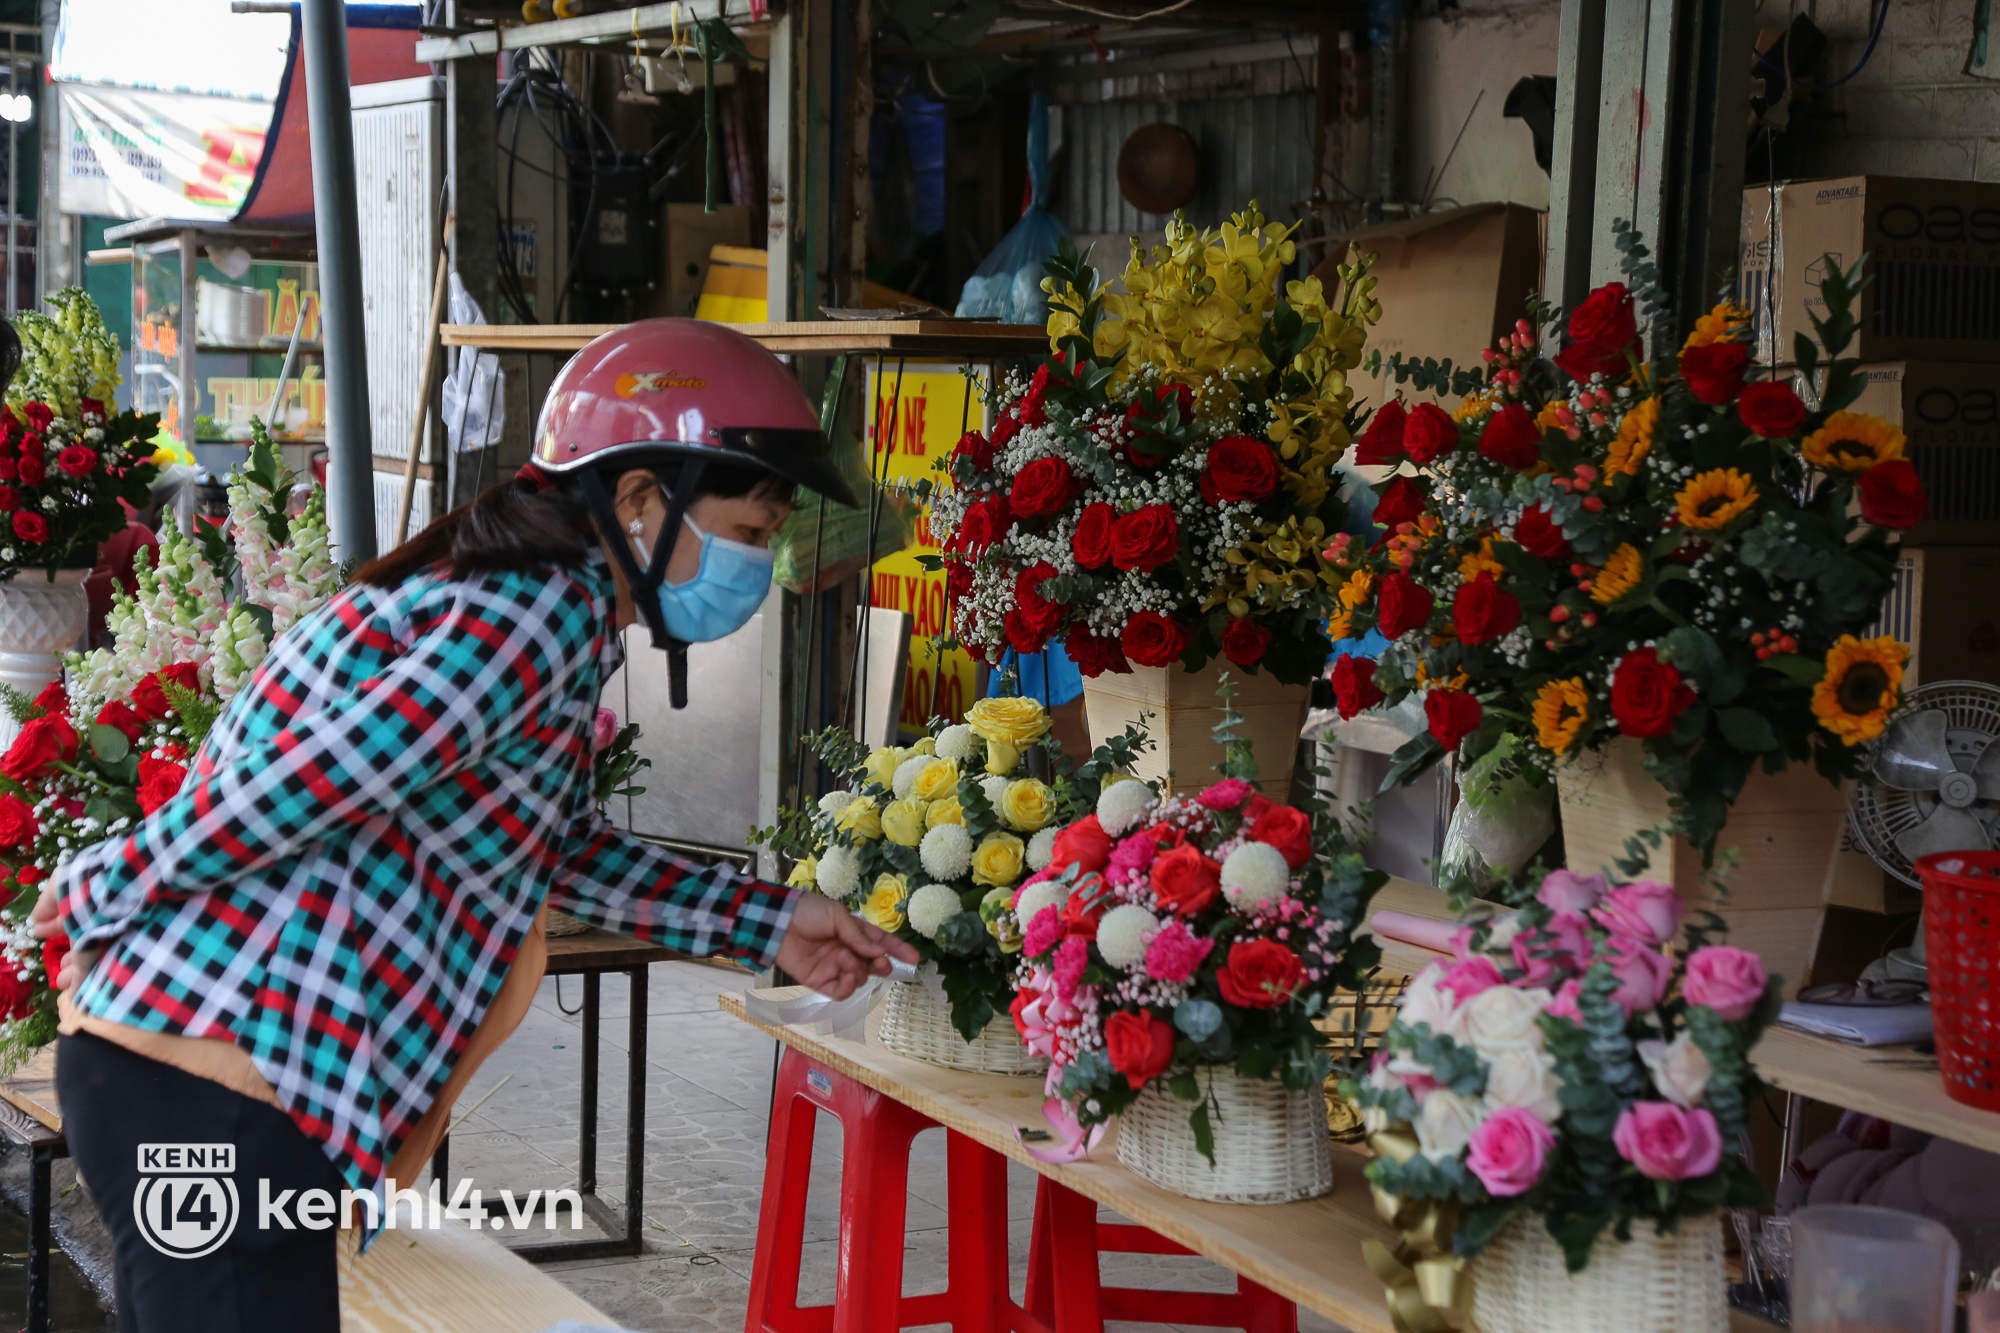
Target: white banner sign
x,y
131,154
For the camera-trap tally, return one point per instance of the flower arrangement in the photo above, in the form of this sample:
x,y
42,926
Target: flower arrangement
x,y
1162,489
1169,935
1569,1062
66,460
113,745
1596,545
928,841
615,760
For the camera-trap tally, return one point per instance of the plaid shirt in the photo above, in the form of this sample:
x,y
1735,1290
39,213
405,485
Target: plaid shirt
x,y
368,833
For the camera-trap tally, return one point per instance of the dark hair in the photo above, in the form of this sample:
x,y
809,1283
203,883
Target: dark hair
x,y
515,526
10,354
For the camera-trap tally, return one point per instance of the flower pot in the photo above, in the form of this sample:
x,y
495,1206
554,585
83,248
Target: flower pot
x,y
1185,709
1271,1143
40,619
1787,828
1649,1284
915,1023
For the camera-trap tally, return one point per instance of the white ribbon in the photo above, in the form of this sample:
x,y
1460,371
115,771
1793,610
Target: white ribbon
x,y
841,1018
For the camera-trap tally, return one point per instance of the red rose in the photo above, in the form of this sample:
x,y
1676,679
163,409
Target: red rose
x,y
9,469
1240,468
1151,639
9,498
1022,636
1771,409
1483,612
1041,488
1511,438
77,460
1143,414
1714,373
1600,332
1400,502
1354,689
91,409
1040,612
1382,442
975,449
1260,974
1892,496
1085,906
1030,406
1429,433
1084,845
159,782
1647,694
1139,1046
17,822
27,877
119,714
32,447
1245,641
38,415
1403,605
1452,714
53,699
33,473
1092,539
1005,428
150,701
1184,880
30,526
10,429
1540,535
957,579
986,522
17,995
1094,654
1289,831
43,741
1023,998
1145,539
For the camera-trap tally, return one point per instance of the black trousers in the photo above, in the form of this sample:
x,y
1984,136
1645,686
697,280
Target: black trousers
x,y
257,1279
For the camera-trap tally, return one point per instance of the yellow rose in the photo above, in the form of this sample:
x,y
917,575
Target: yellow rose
x,y
943,812
861,818
1008,726
903,821
805,874
928,745
997,859
936,780
880,766
884,907
1028,805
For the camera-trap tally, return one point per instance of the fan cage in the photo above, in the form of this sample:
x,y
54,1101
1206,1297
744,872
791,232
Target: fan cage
x,y
1877,814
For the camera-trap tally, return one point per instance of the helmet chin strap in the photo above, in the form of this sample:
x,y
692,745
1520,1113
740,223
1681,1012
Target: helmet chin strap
x,y
644,584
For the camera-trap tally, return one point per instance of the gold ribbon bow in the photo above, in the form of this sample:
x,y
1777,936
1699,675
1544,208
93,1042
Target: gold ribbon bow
x,y
1428,1288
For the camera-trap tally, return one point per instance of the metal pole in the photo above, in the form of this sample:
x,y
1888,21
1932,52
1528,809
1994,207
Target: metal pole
x,y
13,175
350,463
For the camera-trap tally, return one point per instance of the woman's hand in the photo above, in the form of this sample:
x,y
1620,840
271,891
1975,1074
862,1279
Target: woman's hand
x,y
77,962
832,950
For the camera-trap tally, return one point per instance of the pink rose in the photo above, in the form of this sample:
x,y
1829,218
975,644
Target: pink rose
x,y
1175,952
1471,977
1507,1151
605,730
1666,1142
1564,1004
1646,910
1642,971
1226,794
1560,947
1564,891
1729,981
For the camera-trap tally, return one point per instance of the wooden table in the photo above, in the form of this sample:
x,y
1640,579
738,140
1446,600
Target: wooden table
x,y
939,338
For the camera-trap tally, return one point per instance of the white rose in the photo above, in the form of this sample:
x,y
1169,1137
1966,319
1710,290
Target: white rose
x,y
1680,1070
1426,1002
1503,930
1445,1124
1502,1018
1524,1077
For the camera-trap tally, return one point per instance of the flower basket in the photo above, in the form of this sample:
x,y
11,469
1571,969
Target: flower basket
x,y
41,617
1652,1283
1786,825
1182,705
915,1024
1271,1143
558,924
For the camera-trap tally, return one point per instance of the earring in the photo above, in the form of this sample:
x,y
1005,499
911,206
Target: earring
x,y
635,527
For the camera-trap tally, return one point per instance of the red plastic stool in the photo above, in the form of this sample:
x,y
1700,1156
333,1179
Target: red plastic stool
x,y
876,1133
1064,1291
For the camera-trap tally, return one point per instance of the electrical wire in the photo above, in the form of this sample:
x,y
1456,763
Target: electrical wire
x,y
1867,54
1123,18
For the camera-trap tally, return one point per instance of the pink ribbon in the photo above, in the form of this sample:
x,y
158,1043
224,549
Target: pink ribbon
x,y
1072,1137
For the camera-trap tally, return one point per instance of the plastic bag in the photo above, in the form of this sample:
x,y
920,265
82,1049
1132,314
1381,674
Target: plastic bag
x,y
1008,285
1500,822
475,388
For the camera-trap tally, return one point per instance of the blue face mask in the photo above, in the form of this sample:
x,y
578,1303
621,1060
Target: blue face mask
x,y
726,590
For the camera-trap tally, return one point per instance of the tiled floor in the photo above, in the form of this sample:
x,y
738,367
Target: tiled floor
x,y
708,1087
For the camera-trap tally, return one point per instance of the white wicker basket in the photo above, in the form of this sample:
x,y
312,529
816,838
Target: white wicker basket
x,y
1271,1144
917,1024
1649,1284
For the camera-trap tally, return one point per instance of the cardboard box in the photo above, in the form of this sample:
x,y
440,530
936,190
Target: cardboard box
x,y
692,235
1933,248
1450,283
733,288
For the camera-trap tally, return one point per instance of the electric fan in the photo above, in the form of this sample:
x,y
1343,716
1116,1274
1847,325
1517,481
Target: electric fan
x,y
1935,776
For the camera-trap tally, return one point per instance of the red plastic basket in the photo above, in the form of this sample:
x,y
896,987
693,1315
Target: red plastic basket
x,y
1962,938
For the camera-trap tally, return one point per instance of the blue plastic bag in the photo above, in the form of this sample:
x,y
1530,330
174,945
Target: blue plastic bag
x,y
1008,285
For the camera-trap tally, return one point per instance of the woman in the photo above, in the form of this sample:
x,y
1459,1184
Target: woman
x,y
308,951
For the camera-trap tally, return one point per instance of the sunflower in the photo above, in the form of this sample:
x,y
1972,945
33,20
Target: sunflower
x,y
1426,681
1714,499
1355,591
1478,407
1339,625
1619,576
1474,563
1634,440
1852,442
1548,419
1863,681
1718,325
1560,711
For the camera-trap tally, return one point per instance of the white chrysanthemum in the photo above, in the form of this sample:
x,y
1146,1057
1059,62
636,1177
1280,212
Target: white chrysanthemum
x,y
1255,874
1121,935
995,789
955,742
839,873
1030,901
906,774
834,802
1042,849
1121,807
930,907
946,851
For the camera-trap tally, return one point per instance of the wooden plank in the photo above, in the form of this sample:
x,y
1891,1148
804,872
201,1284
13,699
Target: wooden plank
x,y
451,1280
597,950
1879,1081
930,337
1308,1252
33,1088
619,25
